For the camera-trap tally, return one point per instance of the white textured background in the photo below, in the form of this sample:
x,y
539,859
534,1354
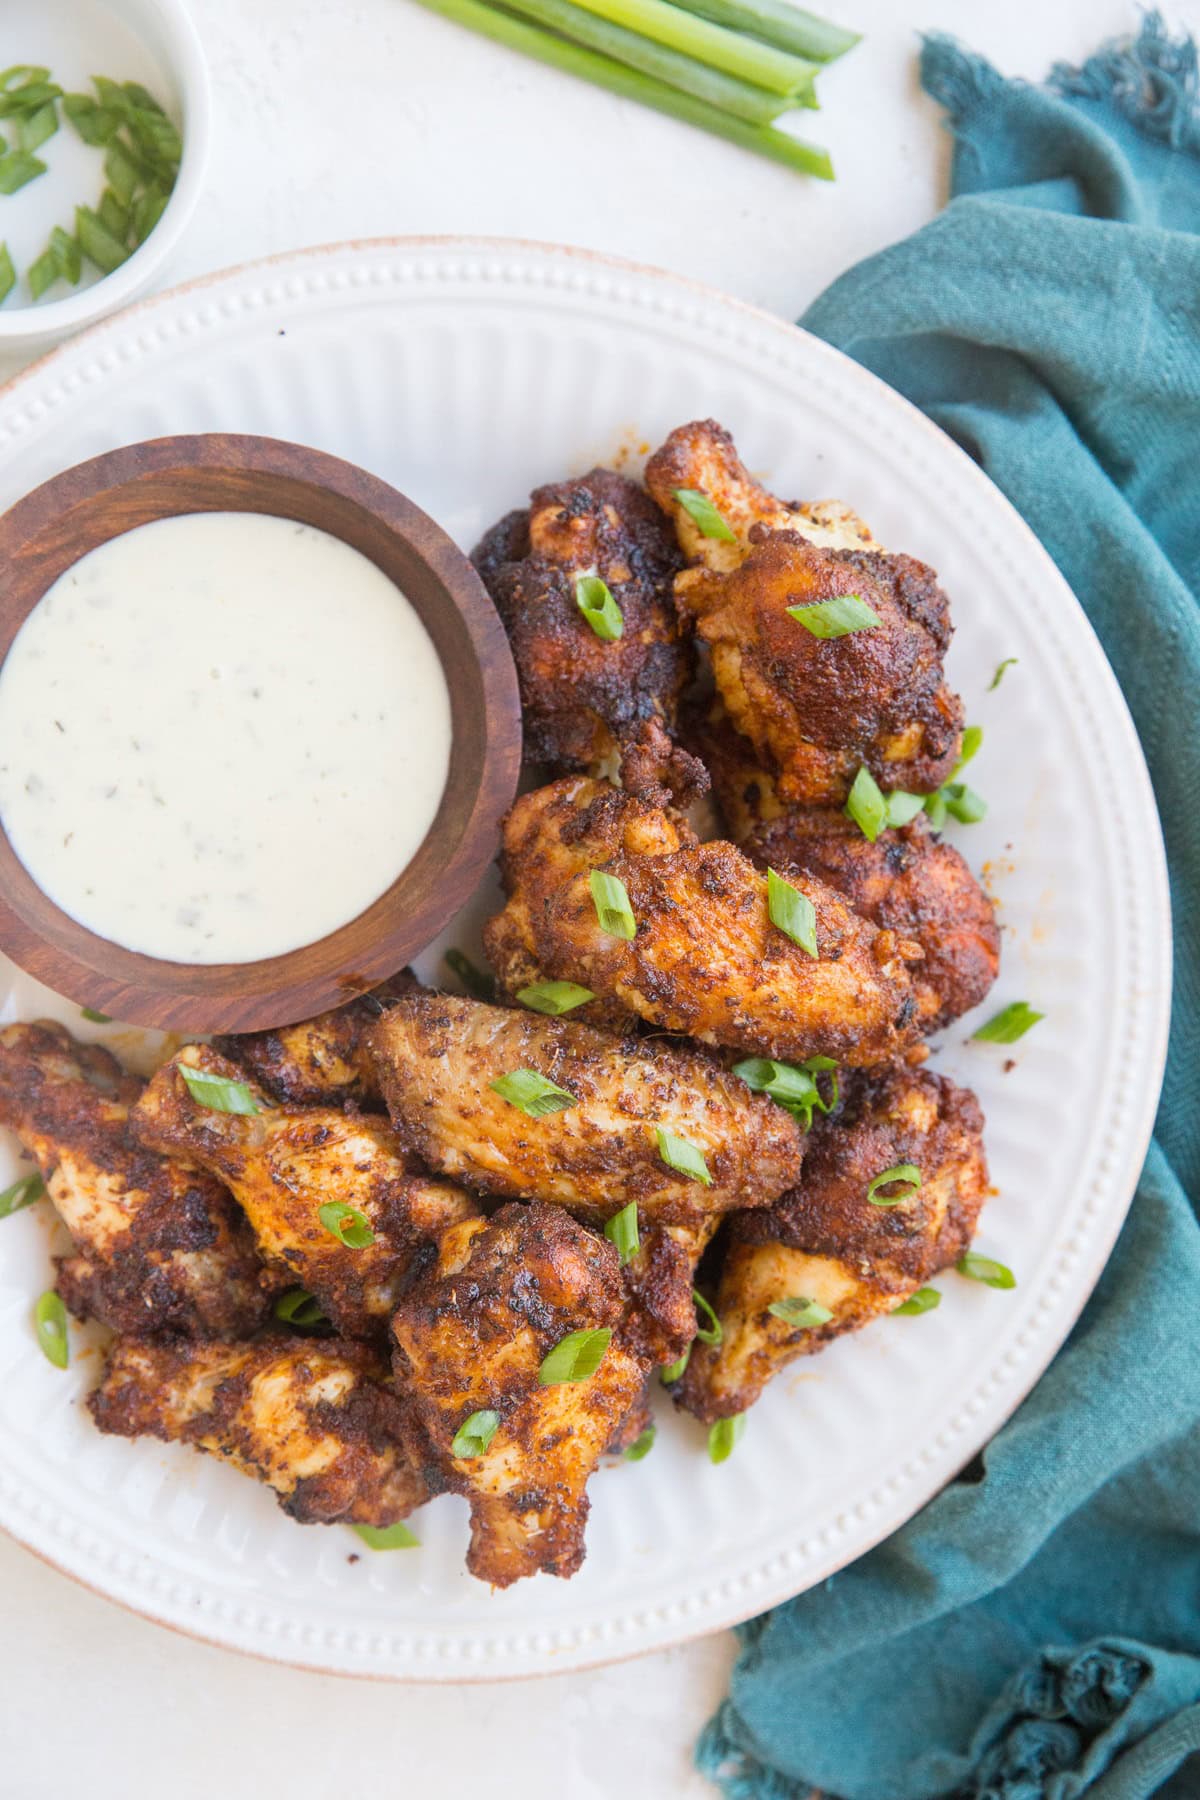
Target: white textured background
x,y
355,118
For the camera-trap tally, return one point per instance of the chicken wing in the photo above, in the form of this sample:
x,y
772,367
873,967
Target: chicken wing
x,y
825,1242
285,1164
319,1061
439,1056
908,881
582,695
701,458
745,793
471,1337
318,1422
159,1245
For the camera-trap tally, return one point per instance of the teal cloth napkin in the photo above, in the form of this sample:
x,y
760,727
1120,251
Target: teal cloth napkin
x,y
1034,1634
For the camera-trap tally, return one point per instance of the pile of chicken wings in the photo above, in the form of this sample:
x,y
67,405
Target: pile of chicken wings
x,y
429,1243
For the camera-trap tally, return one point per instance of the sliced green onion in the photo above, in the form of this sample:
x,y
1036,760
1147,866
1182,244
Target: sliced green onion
x,y
121,172
478,982
94,1017
42,273
475,1434
712,1333
935,807
299,1307
50,1323
642,1446
799,1313
20,103
795,1088
836,618
218,1092
704,514
998,677
8,274
113,216
97,243
25,73
681,1156
36,127
594,600
905,1176
18,168
141,98
388,1537
1009,1024
747,58
156,138
346,1224
902,808
866,805
792,912
723,1436
576,1358
671,1372
972,739
147,210
554,997
926,1299
610,897
982,1268
96,124
963,803
21,1194
532,1094
622,1231
603,71
777,22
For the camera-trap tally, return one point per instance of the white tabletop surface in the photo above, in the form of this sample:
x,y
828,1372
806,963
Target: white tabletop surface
x,y
357,118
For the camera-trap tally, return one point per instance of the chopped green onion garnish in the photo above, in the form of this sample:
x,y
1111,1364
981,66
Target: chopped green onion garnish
x,y
622,1231
792,912
113,216
18,168
723,1436
50,1323
576,1358
43,273
146,211
935,807
681,1156
346,1224
866,804
642,1446
998,677
532,1094
23,73
20,103
982,1268
388,1537
611,900
799,1313
972,738
595,602
796,1089
554,997
1008,1025
835,618
97,243
902,808
218,1092
96,124
35,127
963,803
674,1371
704,514
121,172
478,983
299,1307
475,1434
21,1194
94,1017
926,1299
711,1333
8,274
905,1176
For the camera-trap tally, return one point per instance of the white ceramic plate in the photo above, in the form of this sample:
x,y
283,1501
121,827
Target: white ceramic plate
x,y
467,373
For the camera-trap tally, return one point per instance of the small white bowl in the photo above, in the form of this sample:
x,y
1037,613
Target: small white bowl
x,y
76,38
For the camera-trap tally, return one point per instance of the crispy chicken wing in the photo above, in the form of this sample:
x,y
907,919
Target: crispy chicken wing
x,y
159,1245
438,1057
826,1242
285,1163
319,1061
471,1336
745,793
583,696
318,1422
701,457
908,881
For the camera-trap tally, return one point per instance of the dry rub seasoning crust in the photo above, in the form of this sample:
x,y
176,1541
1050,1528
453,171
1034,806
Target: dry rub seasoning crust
x,y
319,1061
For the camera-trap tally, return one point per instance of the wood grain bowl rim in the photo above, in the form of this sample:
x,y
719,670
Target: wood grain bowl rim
x,y
48,531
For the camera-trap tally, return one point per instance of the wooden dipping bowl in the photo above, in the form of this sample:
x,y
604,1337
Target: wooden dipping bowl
x,y
50,529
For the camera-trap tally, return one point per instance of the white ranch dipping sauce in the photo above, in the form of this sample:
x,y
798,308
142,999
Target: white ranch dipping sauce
x,y
222,736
